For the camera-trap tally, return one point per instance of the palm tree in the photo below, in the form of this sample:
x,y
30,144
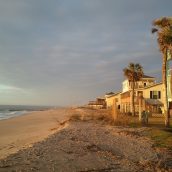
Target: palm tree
x,y
163,28
134,73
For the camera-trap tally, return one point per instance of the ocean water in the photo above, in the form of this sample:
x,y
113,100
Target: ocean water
x,y
9,111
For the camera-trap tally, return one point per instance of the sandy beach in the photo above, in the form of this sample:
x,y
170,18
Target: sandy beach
x,y
81,143
22,131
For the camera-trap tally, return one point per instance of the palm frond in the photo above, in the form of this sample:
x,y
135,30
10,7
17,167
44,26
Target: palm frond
x,y
162,22
164,32
134,72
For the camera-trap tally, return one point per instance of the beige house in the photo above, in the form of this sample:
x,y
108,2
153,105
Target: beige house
x,y
99,103
147,88
111,98
153,96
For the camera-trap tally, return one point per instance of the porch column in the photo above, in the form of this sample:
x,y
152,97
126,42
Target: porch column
x,y
140,106
131,108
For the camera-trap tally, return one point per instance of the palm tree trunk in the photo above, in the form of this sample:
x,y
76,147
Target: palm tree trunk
x,y
164,81
133,107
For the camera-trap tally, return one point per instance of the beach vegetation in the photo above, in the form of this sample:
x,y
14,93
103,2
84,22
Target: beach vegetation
x,y
161,137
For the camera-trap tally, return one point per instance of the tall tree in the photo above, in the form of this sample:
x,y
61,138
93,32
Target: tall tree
x,y
134,72
163,28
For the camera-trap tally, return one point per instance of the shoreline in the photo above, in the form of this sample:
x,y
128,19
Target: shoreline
x,y
25,113
23,131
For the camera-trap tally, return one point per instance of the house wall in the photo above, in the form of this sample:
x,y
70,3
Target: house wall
x,y
126,102
96,106
146,92
125,85
144,82
110,100
126,97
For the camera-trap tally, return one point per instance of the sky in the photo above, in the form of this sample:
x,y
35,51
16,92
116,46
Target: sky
x,y
67,52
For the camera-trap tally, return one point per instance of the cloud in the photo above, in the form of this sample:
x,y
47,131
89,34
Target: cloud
x,y
11,89
70,51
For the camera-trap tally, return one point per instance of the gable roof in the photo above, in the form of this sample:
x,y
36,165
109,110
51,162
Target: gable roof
x,y
153,102
112,95
146,76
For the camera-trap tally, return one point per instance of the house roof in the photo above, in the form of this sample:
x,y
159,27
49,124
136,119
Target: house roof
x,y
146,76
102,98
127,91
110,93
153,102
114,94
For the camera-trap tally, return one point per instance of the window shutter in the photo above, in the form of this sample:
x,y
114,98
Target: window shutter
x,y
159,94
150,94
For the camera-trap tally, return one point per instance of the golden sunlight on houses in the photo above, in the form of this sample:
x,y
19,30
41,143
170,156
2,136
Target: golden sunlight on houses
x,y
146,88
110,97
150,93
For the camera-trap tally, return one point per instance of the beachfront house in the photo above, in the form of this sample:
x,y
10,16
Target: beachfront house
x,y
99,103
146,88
110,98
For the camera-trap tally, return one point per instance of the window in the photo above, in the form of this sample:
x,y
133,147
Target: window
x,y
144,84
155,94
118,106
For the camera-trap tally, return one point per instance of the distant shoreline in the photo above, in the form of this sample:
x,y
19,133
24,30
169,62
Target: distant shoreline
x,y
11,111
17,114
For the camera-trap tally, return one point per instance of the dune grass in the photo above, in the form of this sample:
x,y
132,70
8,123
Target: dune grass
x,y
161,137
